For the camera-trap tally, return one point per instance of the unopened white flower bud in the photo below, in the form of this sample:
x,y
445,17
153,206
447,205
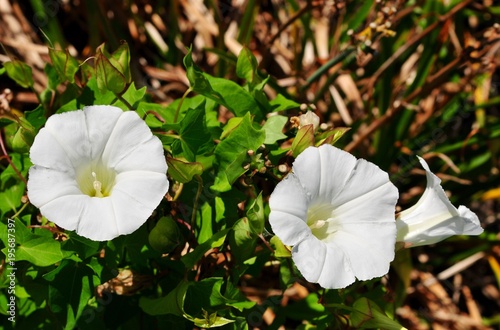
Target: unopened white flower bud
x,y
309,118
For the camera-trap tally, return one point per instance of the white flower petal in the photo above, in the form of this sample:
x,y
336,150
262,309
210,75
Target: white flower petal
x,y
100,119
47,152
288,227
148,188
309,257
290,197
66,211
433,218
152,150
99,221
70,131
91,217
129,132
472,225
367,183
128,210
322,263
337,272
369,253
323,171
288,215
46,184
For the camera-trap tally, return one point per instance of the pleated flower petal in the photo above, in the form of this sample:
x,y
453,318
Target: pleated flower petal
x,y
433,218
338,214
99,171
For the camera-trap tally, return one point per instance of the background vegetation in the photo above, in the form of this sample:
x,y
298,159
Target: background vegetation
x,y
407,77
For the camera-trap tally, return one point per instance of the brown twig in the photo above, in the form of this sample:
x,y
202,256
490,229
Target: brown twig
x,y
412,42
434,81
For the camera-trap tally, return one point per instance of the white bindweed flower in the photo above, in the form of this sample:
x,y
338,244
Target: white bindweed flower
x,y
434,218
99,171
338,214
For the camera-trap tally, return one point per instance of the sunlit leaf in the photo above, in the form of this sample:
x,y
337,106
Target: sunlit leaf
x,y
20,72
183,171
368,315
256,216
231,153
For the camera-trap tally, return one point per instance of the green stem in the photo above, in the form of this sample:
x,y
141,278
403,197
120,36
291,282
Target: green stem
x,y
20,211
180,103
198,193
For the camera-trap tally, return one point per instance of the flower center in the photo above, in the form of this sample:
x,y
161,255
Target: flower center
x,y
96,180
320,221
97,186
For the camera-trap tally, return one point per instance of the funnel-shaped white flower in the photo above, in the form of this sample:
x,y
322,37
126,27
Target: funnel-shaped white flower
x,y
434,218
338,214
99,171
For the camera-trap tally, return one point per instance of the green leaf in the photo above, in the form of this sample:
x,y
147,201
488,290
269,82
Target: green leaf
x,y
193,135
197,80
205,295
20,72
274,129
215,241
368,315
65,65
256,215
24,136
211,320
230,126
331,136
82,246
237,299
172,303
242,240
204,222
10,197
234,97
225,92
132,95
22,233
246,66
36,117
183,171
281,103
40,251
231,153
303,139
70,288
280,250
54,80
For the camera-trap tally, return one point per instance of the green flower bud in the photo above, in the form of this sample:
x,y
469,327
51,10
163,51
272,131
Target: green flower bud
x,y
165,236
113,70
